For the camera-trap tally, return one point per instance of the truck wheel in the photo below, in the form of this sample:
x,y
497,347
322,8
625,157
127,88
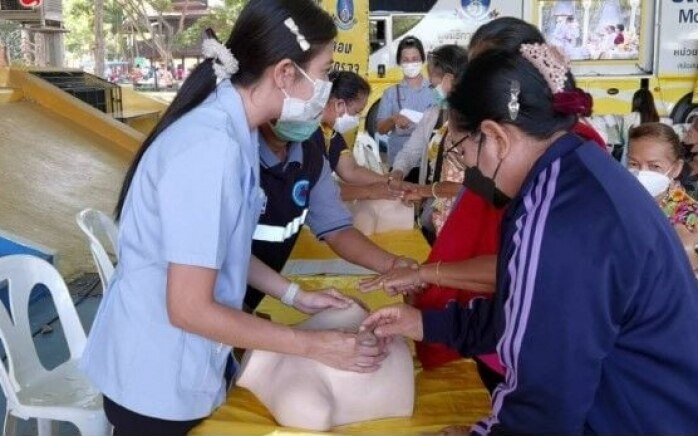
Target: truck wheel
x,y
371,118
685,111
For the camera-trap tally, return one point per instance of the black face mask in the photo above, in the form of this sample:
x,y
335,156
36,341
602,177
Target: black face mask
x,y
485,186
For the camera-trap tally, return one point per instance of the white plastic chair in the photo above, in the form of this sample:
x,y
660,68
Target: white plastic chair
x,y
366,153
95,223
63,393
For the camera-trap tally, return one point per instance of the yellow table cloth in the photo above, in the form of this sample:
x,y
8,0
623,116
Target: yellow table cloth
x,y
450,395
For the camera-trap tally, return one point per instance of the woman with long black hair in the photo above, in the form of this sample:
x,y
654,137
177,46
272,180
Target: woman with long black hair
x,y
187,212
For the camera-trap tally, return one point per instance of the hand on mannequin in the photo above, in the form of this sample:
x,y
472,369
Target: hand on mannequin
x,y
396,176
399,319
413,194
314,302
396,182
384,191
346,352
401,280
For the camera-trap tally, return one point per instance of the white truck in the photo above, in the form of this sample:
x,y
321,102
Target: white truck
x,y
616,46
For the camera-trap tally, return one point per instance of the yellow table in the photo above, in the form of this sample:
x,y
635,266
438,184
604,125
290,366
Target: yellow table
x,y
451,395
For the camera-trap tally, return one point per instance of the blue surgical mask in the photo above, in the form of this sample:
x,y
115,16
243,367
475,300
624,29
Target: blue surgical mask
x,y
440,96
294,131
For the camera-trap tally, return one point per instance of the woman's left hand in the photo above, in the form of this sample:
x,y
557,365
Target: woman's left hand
x,y
317,301
384,191
401,280
414,193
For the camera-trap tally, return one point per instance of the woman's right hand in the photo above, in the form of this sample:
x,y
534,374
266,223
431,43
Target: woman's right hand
x,y
396,320
344,351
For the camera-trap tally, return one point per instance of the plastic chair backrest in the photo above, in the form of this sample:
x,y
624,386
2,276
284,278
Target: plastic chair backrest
x,y
95,223
21,273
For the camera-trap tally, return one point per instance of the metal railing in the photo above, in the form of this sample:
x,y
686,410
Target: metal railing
x,y
93,90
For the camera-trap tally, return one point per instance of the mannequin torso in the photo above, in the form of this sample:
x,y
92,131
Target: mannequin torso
x,y
306,394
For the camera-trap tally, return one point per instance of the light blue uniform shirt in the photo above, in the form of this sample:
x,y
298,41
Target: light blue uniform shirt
x,y
419,100
194,200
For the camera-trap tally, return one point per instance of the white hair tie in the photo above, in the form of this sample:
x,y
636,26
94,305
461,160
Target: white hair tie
x,y
224,63
302,42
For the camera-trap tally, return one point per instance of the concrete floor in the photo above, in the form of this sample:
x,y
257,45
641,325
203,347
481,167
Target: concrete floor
x,y
50,169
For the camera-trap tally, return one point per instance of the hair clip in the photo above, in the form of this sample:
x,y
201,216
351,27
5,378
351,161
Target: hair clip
x,y
302,42
551,64
224,63
514,105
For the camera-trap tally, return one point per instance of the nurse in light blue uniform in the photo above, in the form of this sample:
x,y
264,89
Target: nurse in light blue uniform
x,y
187,211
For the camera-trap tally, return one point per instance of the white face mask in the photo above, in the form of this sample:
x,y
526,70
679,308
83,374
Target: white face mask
x,y
411,69
655,183
346,122
298,110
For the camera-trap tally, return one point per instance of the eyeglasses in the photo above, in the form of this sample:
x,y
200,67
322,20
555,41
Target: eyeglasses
x,y
455,152
454,145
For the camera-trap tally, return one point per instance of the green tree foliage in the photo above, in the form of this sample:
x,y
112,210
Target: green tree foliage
x,y
11,37
79,20
221,20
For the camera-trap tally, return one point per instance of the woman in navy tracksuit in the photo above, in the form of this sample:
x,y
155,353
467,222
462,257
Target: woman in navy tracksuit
x,y
596,306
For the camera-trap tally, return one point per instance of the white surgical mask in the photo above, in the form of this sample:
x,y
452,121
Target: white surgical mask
x,y
411,69
655,183
440,96
346,123
300,111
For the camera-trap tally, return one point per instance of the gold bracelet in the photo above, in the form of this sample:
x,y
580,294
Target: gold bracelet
x,y
433,190
438,277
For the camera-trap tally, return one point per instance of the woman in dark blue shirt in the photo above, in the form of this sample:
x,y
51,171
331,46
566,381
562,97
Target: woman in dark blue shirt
x,y
596,306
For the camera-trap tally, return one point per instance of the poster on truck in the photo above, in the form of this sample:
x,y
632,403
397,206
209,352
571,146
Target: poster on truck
x,y
351,46
679,47
594,30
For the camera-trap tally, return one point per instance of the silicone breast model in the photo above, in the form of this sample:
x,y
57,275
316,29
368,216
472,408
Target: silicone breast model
x,y
307,394
380,216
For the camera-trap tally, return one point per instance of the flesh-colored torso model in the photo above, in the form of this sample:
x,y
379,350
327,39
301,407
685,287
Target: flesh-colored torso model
x,y
306,394
380,216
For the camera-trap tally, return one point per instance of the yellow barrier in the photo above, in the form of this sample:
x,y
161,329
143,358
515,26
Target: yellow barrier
x,y
140,112
67,106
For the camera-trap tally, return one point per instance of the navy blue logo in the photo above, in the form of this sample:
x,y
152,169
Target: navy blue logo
x,y
300,193
476,9
345,14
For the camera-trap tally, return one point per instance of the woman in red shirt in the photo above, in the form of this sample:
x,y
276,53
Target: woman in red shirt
x,y
462,263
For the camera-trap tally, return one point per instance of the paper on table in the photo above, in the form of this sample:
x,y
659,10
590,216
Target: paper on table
x,y
340,267
412,115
